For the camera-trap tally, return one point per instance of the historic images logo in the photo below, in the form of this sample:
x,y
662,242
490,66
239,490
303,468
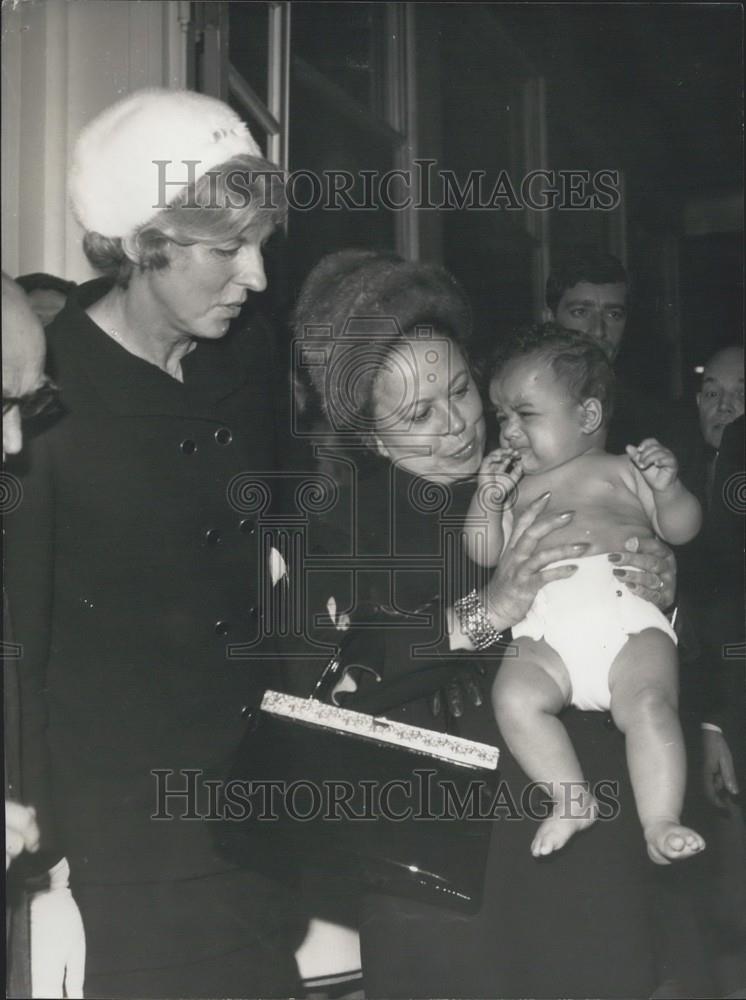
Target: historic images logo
x,y
423,188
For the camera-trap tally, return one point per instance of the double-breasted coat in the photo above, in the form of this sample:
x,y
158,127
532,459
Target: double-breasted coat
x,y
132,567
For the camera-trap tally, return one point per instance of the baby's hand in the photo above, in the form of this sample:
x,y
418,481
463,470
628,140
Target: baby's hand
x,y
502,462
500,473
657,464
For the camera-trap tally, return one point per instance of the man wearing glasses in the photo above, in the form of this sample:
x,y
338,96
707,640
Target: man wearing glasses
x,y
27,392
55,952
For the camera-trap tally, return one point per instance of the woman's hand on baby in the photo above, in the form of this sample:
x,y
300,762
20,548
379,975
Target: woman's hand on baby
x,y
649,570
522,570
657,465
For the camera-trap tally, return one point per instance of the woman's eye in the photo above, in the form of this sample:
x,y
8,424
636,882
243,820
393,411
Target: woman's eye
x,y
225,251
461,390
421,417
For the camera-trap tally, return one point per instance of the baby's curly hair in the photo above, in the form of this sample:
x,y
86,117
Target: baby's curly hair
x,y
575,358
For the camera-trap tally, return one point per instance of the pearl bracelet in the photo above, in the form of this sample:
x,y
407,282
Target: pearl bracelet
x,y
472,616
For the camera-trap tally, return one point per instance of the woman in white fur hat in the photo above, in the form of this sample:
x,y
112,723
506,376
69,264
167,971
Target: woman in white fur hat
x,y
130,574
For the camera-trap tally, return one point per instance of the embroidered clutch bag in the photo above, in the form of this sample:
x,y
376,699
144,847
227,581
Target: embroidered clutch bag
x,y
393,807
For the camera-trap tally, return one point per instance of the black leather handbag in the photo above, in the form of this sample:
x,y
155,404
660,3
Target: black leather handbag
x,y
397,808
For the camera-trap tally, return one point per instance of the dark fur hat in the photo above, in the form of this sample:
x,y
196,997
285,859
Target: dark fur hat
x,y
356,300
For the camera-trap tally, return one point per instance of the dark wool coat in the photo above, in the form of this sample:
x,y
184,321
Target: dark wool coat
x,y
17,950
129,572
712,577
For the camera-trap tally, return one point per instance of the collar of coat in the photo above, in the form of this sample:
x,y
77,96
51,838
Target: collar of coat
x,y
129,385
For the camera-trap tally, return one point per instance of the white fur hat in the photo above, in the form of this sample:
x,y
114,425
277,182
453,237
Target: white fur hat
x,y
114,178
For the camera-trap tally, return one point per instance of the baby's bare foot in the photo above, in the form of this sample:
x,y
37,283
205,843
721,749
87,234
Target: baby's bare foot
x,y
669,841
564,822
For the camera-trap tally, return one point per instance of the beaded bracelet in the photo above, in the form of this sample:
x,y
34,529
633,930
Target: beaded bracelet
x,y
472,616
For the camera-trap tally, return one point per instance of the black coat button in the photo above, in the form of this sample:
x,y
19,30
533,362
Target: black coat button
x,y
222,628
213,536
247,526
188,446
223,435
253,614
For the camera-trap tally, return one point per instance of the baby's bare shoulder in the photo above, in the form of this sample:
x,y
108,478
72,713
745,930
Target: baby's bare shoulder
x,y
585,478
621,465
596,476
604,464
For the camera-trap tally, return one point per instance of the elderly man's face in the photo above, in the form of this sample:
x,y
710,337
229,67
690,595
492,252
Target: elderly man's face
x,y
720,401
24,350
598,310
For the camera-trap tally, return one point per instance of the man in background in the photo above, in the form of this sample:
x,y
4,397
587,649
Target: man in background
x,y
588,291
714,681
714,569
24,352
44,938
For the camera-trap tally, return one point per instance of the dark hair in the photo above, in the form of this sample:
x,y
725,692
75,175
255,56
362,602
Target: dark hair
x,y
583,264
354,307
575,358
40,281
262,202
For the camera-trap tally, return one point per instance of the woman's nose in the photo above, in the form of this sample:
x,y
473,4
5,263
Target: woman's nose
x,y
251,272
457,422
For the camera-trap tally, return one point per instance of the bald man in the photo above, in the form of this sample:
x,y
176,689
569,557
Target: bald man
x,y
52,960
721,407
23,374
720,400
24,351
713,574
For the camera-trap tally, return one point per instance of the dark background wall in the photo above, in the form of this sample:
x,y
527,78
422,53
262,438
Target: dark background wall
x,y
653,91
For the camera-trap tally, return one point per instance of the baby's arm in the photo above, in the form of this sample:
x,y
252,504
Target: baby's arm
x,y
676,514
496,492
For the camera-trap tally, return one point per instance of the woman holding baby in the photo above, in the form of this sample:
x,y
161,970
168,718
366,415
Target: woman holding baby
x,y
577,921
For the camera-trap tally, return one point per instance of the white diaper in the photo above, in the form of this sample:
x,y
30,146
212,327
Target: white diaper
x,y
587,619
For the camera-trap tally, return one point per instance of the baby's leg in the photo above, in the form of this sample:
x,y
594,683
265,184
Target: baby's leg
x,y
644,703
529,692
